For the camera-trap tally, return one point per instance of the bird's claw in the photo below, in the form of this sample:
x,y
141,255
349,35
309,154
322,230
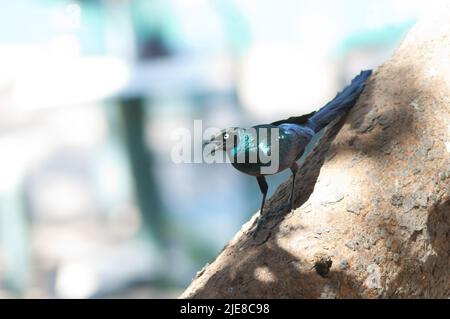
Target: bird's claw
x,y
256,227
288,208
264,236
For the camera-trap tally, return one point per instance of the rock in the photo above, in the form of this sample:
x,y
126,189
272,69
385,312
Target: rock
x,y
323,265
352,244
333,200
397,200
343,265
354,207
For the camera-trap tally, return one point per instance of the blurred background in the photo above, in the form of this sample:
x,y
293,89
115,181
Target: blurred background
x,y
91,205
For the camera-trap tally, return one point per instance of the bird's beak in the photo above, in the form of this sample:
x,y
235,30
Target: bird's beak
x,y
216,143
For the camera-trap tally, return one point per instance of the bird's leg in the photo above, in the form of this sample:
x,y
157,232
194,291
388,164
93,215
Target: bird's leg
x,y
294,170
263,187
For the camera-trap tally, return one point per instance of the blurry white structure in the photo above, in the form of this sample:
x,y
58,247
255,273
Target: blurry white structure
x,y
76,281
113,269
50,82
281,80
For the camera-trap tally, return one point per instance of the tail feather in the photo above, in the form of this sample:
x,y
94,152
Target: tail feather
x,y
343,101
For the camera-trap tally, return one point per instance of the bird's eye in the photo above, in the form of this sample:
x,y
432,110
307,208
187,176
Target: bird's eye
x,y
226,136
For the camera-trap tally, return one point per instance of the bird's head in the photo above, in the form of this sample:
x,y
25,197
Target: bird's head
x,y
226,140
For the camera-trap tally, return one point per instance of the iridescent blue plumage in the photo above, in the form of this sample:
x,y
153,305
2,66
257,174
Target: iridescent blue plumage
x,y
256,143
284,140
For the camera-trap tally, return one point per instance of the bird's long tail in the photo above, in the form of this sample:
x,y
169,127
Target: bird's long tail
x,y
343,101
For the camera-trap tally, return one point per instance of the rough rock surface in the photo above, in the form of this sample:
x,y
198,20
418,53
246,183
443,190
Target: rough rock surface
x,y
373,202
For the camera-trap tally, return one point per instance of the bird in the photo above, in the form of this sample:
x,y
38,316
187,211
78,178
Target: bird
x,y
292,135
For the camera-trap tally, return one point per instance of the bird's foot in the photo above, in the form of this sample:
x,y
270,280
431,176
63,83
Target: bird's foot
x,y
287,208
260,234
256,227
258,224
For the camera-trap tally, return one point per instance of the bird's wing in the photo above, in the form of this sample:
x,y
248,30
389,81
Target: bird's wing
x,y
300,120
